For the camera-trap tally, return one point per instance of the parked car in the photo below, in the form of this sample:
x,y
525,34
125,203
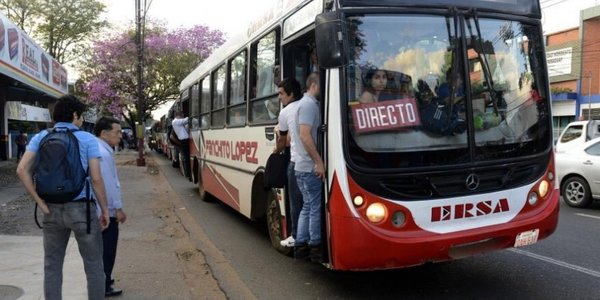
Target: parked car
x,y
577,133
578,171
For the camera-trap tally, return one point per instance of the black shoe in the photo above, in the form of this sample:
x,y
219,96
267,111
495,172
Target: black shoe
x,y
301,251
112,292
315,253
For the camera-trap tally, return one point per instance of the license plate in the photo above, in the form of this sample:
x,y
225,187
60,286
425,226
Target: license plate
x,y
527,238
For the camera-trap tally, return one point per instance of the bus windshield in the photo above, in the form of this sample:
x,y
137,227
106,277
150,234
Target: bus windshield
x,y
421,91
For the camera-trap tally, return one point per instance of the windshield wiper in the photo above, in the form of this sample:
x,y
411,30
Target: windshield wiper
x,y
486,66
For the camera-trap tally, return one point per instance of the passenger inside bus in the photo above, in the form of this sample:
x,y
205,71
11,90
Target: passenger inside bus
x,y
382,85
454,83
314,63
375,86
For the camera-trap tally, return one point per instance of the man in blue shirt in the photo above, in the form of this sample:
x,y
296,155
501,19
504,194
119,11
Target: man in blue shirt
x,y
108,131
310,172
62,218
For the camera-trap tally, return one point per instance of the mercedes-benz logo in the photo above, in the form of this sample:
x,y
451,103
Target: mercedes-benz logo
x,y
472,182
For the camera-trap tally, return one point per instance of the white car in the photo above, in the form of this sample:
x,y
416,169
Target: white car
x,y
578,171
577,133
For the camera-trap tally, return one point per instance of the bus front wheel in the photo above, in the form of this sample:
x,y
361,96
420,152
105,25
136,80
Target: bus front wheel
x,y
275,225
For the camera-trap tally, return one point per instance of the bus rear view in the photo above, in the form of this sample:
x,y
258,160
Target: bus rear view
x,y
439,132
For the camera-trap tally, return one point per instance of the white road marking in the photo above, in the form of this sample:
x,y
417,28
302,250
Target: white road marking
x,y
589,216
557,262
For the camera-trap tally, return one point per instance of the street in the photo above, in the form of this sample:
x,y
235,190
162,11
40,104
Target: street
x,y
564,266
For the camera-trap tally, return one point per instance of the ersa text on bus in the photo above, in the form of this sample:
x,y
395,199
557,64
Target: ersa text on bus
x,y
234,150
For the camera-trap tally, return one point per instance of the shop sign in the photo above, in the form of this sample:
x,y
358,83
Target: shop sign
x,y
24,60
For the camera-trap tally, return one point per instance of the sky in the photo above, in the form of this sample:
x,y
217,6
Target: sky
x,y
231,16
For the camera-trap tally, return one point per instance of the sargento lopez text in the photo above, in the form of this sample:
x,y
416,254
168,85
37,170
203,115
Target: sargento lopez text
x,y
234,150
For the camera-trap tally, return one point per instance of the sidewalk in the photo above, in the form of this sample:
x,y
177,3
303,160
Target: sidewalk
x,y
156,257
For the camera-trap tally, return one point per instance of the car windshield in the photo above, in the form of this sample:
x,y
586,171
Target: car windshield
x,y
418,97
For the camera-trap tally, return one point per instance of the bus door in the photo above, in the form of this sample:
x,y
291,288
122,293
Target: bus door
x,y
300,60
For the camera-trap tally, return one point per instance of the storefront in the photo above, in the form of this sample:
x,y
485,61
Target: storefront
x,y
30,81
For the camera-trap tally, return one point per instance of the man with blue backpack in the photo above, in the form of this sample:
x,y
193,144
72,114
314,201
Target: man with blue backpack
x,y
57,169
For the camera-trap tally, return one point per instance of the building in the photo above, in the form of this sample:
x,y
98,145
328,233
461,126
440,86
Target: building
x,y
30,81
573,57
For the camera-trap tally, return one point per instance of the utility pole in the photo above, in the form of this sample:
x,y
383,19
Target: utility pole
x,y
139,41
589,74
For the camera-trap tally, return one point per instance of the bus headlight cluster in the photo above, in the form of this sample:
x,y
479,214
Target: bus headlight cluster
x,y
376,212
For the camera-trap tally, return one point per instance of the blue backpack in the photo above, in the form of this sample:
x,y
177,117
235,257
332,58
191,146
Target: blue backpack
x,y
58,173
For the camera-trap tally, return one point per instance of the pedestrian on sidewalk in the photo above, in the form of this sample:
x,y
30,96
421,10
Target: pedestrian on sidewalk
x,y
70,213
21,142
108,132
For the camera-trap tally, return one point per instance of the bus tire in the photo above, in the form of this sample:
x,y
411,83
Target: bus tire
x,y
274,225
576,192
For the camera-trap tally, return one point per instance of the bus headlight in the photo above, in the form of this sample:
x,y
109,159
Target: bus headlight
x,y
543,188
398,219
358,201
532,198
376,212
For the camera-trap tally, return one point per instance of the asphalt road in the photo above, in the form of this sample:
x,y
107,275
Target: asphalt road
x,y
564,266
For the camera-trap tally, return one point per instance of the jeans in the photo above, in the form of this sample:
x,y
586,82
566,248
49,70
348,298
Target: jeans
x,y
58,224
295,197
20,151
110,237
309,223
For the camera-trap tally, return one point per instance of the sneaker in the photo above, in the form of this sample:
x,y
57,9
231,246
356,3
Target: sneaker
x,y
289,242
112,292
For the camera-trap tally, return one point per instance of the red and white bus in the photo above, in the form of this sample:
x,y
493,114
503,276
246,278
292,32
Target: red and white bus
x,y
454,158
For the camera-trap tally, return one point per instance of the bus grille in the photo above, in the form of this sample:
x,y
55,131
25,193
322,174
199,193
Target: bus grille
x,y
421,186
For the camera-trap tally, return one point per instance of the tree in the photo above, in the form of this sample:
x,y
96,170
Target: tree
x,y
61,26
21,12
109,74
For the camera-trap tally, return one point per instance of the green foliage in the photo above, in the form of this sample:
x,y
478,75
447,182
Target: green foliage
x,y
21,12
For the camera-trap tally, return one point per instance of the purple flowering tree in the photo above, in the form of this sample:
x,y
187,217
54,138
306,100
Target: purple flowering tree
x,y
109,77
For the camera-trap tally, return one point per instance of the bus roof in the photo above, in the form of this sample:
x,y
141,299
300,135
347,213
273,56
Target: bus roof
x,y
519,7
283,8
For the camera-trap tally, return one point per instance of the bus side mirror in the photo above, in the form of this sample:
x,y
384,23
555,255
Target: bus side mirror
x,y
329,40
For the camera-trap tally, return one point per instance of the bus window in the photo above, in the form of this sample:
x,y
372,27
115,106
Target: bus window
x,y
397,113
205,102
508,106
236,114
218,97
195,106
265,104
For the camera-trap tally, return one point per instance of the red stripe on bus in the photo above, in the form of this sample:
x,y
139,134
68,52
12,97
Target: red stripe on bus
x,y
216,185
